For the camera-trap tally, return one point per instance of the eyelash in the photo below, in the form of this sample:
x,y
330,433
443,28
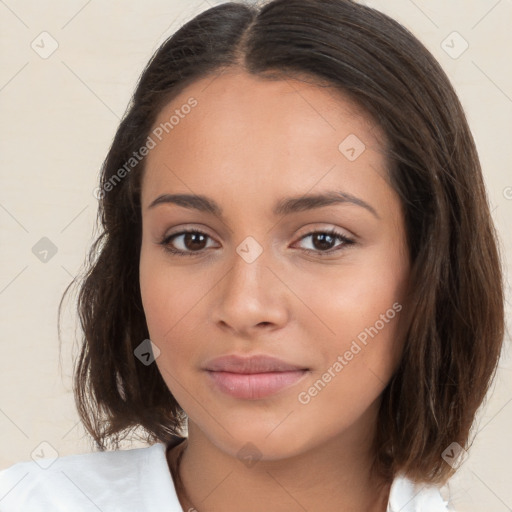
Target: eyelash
x,y
165,242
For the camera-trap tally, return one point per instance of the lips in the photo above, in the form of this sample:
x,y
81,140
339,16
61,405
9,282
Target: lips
x,y
254,377
253,364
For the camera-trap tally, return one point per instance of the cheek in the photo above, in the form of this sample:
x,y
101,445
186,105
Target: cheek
x,y
353,297
361,304
362,355
160,290
171,298
154,289
165,308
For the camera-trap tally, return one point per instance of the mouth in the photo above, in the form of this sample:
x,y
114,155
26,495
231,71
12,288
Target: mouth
x,y
253,378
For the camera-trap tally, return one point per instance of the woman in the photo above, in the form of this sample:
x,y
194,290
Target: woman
x,y
297,293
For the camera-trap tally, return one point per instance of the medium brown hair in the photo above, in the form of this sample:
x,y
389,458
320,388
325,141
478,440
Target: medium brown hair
x,y
456,327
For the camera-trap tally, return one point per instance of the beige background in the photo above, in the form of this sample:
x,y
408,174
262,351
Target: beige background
x,y
59,115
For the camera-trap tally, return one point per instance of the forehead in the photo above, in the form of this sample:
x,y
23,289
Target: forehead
x,y
252,132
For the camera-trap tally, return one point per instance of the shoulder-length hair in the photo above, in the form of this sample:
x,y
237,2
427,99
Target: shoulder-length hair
x,y
456,325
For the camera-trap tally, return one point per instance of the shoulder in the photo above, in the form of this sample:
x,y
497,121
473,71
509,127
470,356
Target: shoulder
x,y
408,496
136,479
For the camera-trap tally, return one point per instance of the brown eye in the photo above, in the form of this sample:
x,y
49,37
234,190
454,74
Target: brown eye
x,y
194,241
189,242
323,242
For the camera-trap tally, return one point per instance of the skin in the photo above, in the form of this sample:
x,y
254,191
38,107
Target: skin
x,y
248,143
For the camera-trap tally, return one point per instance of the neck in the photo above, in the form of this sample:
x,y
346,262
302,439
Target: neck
x,y
335,475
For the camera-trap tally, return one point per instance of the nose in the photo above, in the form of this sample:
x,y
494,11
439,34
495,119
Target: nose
x,y
252,297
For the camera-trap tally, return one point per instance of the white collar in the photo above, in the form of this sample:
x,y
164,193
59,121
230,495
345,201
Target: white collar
x,y
408,496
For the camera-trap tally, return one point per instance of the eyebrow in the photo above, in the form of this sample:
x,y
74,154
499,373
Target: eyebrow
x,y
285,206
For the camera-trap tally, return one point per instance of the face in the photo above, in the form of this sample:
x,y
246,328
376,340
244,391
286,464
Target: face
x,y
317,283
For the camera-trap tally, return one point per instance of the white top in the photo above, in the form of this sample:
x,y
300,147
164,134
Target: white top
x,y
136,480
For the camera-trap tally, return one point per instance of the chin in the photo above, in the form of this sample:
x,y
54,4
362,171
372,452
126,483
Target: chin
x,y
251,441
